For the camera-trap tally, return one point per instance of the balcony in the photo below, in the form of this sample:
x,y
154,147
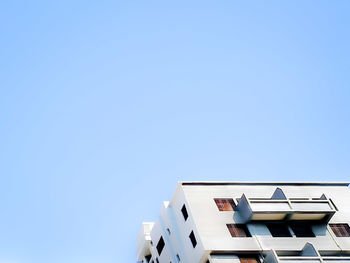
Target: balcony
x,y
144,241
281,208
307,255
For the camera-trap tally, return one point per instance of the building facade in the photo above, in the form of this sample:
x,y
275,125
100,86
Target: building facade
x,y
228,222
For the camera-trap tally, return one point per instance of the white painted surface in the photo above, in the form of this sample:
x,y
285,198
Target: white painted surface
x,y
209,224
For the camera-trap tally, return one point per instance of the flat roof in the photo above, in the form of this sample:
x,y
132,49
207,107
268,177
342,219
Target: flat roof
x,y
204,183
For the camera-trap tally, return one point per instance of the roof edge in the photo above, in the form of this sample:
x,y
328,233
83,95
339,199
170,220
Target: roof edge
x,y
264,183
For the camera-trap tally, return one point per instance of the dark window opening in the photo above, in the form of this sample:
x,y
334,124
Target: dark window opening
x,y
279,230
340,230
157,260
225,204
177,257
160,245
193,239
238,230
148,258
302,230
184,212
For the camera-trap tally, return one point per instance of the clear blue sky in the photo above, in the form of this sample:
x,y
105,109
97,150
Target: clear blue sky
x,y
106,105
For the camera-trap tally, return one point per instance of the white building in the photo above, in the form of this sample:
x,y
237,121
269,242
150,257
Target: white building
x,y
227,222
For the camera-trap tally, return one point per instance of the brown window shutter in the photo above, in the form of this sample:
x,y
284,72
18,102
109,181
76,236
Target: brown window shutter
x,y
340,230
237,230
225,204
248,260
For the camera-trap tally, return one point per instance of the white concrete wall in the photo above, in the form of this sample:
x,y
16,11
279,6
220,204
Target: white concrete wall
x,y
209,224
144,240
184,228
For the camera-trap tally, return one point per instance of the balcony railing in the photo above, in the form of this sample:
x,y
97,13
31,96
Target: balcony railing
x,y
279,207
307,255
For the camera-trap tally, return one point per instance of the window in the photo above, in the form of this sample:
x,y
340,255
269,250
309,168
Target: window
x,y
225,204
157,260
279,230
193,239
184,212
341,230
148,258
160,245
177,257
248,260
168,230
238,230
302,230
